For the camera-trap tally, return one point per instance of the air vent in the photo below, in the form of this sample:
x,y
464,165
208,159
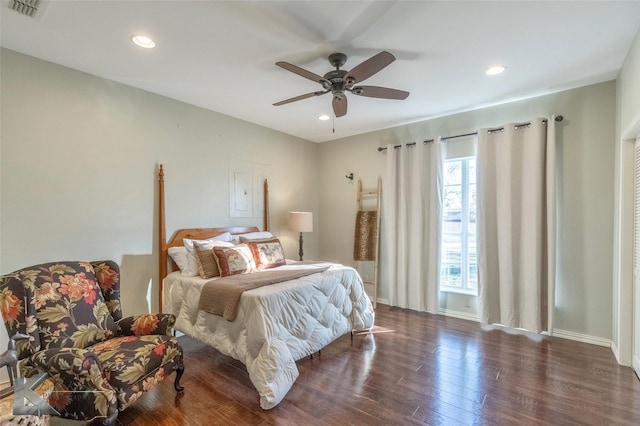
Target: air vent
x,y
31,8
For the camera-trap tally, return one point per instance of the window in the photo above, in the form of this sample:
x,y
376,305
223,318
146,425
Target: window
x,y
458,268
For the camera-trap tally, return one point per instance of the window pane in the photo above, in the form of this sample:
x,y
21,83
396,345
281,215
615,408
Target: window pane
x,y
472,273
452,174
452,200
472,205
451,267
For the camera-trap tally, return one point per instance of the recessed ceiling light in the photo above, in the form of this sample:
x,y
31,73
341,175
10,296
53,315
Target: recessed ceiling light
x,y
324,117
495,70
143,41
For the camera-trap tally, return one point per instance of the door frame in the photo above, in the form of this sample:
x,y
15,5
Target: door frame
x,y
623,339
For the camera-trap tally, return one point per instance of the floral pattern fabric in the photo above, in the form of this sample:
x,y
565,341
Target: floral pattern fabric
x,y
267,253
234,260
99,361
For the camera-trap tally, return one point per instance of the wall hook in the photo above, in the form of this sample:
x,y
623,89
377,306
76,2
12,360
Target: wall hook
x,y
349,176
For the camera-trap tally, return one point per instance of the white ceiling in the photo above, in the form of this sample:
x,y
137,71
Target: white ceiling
x,y
220,55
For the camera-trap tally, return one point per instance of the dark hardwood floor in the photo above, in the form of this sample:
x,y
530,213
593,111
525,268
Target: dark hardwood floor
x,y
430,370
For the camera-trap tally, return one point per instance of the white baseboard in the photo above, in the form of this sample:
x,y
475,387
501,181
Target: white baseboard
x,y
616,351
383,301
462,315
563,334
585,338
446,312
636,364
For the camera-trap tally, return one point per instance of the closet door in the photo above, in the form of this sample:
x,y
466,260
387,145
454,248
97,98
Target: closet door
x,y
636,261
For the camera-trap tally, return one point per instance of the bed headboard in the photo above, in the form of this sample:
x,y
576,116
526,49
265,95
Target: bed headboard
x,y
193,233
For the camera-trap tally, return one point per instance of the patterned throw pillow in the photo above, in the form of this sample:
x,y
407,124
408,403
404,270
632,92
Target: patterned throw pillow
x,y
234,260
191,269
207,265
267,253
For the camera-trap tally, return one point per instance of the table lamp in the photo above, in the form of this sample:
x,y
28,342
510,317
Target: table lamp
x,y
301,222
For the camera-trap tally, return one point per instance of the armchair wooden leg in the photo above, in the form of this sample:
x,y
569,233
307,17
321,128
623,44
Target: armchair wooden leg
x,y
179,373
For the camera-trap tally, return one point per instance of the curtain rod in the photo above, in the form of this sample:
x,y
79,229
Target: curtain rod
x,y
558,119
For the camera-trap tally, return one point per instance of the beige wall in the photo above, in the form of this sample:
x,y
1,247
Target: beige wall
x,y
78,172
586,158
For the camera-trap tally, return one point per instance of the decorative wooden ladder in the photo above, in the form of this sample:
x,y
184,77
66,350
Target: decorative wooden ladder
x,y
367,234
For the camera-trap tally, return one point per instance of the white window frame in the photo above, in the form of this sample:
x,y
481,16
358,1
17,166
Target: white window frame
x,y
464,231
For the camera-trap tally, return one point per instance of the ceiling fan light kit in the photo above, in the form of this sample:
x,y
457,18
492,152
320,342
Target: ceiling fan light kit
x,y
338,81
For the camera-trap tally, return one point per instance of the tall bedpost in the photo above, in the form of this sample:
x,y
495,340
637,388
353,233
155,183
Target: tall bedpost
x,y
265,214
162,237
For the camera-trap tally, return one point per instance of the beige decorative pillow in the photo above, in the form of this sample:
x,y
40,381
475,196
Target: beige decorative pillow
x,y
267,253
192,267
234,260
206,261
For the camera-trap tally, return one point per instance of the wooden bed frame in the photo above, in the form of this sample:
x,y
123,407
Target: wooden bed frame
x,y
193,233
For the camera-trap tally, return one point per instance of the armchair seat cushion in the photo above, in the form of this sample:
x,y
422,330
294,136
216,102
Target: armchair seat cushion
x,y
134,364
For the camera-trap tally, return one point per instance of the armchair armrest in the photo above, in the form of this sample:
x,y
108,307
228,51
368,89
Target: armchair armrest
x,y
146,324
76,373
69,364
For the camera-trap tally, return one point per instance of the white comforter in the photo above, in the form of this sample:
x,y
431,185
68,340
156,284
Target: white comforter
x,y
276,324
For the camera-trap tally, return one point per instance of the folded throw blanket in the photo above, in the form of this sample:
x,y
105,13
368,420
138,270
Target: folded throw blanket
x,y
222,296
366,236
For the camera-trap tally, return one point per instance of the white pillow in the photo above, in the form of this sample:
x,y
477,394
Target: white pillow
x,y
245,238
191,269
179,256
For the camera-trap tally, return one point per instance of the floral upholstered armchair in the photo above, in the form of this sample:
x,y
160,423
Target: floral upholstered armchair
x,y
100,362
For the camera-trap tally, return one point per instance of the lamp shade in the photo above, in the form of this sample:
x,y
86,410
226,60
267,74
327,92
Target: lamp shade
x,y
301,221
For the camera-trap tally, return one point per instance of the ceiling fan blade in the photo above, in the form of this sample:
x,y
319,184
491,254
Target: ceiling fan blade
x,y
379,92
301,97
301,72
340,105
370,66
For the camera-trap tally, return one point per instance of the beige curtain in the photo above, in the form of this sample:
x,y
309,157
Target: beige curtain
x,y
411,220
516,225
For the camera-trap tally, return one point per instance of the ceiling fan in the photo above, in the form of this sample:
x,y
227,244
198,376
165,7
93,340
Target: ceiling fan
x,y
338,82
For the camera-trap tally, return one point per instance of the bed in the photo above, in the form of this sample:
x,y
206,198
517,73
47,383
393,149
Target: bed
x,y
274,325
